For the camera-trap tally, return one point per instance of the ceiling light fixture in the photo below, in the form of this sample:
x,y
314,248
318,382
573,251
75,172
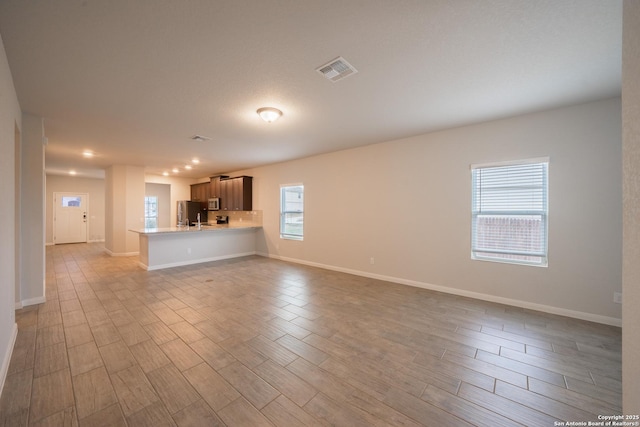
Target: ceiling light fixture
x,y
195,161
175,170
87,154
187,167
165,173
72,172
269,114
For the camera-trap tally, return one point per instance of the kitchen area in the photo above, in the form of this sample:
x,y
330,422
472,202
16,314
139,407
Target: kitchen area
x,y
217,223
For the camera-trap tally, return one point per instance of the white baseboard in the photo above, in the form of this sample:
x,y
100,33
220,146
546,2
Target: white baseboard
x,y
88,241
195,261
612,321
4,369
32,301
121,253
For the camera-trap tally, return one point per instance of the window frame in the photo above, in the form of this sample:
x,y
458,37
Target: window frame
x,y
283,213
542,212
67,201
146,204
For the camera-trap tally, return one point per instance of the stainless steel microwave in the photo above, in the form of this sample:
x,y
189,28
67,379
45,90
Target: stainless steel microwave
x,y
214,204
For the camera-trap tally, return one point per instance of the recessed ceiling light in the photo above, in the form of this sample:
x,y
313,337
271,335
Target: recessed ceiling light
x,y
165,173
175,170
195,161
187,167
72,172
87,154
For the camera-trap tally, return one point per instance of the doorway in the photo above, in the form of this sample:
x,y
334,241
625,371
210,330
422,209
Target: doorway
x,y
70,217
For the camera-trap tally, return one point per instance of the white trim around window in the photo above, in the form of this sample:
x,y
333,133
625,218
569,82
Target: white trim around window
x,y
292,211
509,212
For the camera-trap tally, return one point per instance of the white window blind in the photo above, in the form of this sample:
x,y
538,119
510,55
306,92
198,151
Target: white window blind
x,y
509,212
151,212
292,212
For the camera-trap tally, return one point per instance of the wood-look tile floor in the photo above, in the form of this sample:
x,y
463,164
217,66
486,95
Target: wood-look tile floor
x,y
254,341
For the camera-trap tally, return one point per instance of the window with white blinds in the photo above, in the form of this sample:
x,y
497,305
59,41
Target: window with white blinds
x,y
509,212
292,212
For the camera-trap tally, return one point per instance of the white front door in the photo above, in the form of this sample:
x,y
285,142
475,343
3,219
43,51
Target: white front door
x,y
69,218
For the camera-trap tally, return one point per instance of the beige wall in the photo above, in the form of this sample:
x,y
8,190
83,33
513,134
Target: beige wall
x,y
631,198
94,187
406,203
10,119
180,190
32,183
124,208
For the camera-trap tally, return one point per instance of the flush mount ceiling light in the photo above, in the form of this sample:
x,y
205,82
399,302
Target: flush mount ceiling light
x,y
165,173
269,114
187,167
72,172
195,161
87,154
175,170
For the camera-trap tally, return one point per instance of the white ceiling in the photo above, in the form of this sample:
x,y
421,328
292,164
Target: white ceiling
x,y
134,80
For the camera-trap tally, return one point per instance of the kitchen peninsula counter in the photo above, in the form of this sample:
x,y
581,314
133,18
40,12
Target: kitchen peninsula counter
x,y
176,246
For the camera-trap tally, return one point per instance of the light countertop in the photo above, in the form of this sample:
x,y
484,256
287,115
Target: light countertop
x,y
195,229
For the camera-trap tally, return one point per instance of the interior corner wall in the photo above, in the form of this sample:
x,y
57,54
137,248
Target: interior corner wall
x,y
180,189
94,187
17,215
124,208
10,121
109,209
631,207
407,204
32,199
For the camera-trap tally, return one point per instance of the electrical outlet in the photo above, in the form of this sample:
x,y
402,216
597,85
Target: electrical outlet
x,y
617,297
372,261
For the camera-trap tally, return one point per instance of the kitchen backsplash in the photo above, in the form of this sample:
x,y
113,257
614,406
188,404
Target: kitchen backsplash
x,y
253,217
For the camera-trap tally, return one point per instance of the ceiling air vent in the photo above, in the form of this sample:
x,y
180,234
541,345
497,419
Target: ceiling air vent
x,y
200,138
336,69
